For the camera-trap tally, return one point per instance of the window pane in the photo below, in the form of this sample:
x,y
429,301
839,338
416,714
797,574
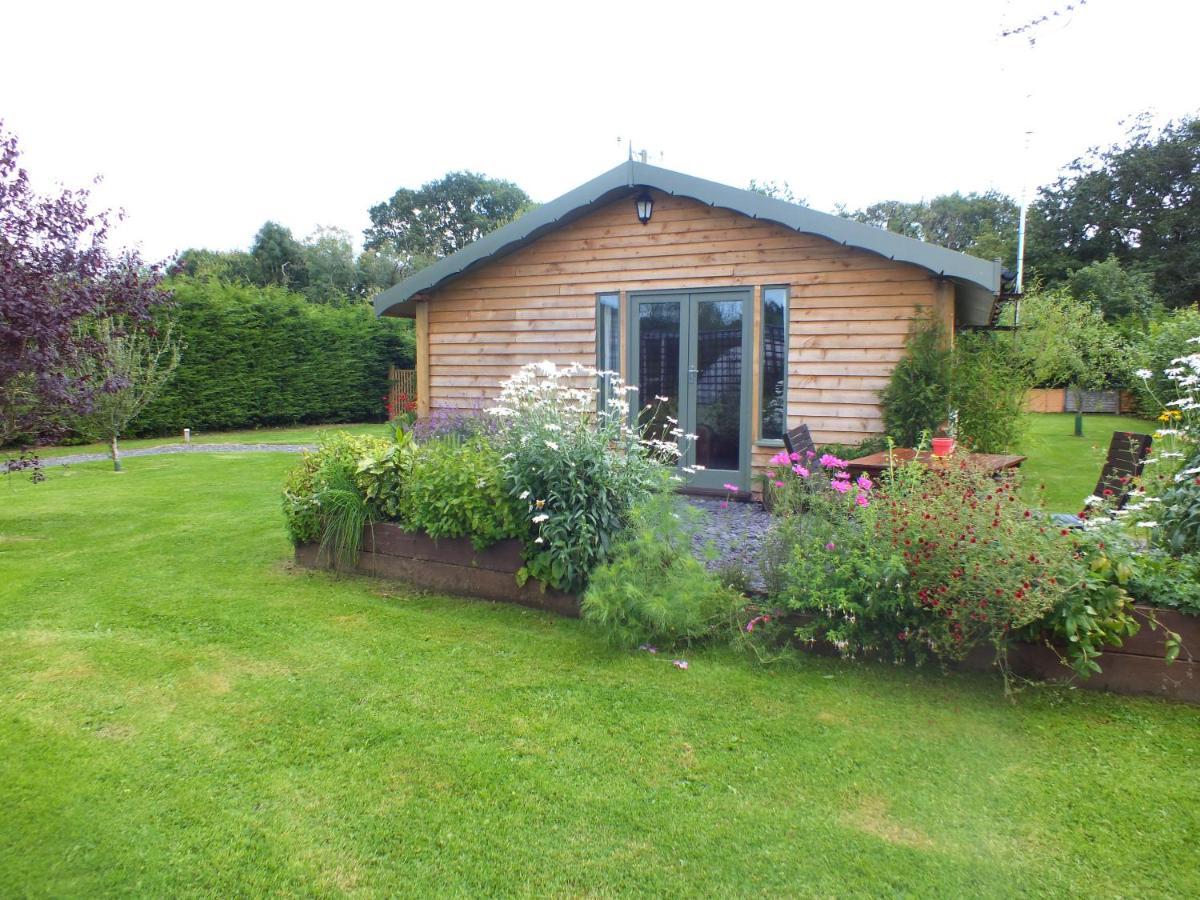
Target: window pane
x,y
608,342
719,384
658,362
774,363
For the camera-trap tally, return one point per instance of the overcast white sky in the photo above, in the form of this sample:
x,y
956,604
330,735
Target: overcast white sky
x,y
206,119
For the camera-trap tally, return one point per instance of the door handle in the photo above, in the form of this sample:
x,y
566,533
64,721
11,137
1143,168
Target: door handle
x,y
692,373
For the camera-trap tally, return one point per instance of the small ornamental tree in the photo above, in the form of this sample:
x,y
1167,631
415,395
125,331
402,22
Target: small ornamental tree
x,y
130,370
1064,340
56,273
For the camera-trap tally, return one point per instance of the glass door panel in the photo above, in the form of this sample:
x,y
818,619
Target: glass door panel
x,y
716,374
659,329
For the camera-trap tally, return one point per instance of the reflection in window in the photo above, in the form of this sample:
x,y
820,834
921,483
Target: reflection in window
x,y
608,342
773,401
658,362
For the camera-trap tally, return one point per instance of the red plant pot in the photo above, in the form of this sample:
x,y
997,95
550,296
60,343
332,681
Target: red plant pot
x,y
943,446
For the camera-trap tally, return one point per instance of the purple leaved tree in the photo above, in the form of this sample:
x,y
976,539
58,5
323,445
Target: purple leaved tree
x,y
57,277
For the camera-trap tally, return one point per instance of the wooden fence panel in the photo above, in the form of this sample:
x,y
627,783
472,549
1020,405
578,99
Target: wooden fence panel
x,y
402,383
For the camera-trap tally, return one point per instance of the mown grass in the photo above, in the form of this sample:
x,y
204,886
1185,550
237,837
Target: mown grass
x,y
185,714
298,434
1069,466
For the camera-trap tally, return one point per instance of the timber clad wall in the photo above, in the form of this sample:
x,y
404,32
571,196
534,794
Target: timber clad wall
x,y
850,310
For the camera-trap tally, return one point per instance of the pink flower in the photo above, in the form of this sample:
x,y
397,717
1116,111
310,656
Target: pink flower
x,y
795,457
779,484
840,486
829,461
724,504
730,487
864,482
831,546
810,453
781,459
800,470
862,500
845,476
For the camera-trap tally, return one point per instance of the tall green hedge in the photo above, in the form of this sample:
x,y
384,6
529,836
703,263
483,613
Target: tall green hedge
x,y
264,356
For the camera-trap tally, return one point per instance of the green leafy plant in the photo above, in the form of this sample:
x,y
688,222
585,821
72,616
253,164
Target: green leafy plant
x,y
941,560
988,386
652,589
457,489
304,514
578,470
917,397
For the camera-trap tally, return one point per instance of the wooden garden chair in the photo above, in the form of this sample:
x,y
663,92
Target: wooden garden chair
x,y
799,440
1127,452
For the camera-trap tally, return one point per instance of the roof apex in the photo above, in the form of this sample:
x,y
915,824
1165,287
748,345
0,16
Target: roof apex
x,y
979,276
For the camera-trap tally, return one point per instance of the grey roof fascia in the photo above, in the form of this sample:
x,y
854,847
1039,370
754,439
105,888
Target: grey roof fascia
x,y
978,274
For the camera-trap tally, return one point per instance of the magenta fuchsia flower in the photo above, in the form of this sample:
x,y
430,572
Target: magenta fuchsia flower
x,y
864,482
781,459
779,484
724,504
831,546
829,461
863,500
840,486
800,470
795,457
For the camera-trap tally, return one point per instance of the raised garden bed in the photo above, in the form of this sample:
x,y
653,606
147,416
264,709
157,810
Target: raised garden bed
x,y
1136,667
449,565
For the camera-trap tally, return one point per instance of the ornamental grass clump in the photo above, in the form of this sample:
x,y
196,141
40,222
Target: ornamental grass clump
x,y
322,500
577,470
653,590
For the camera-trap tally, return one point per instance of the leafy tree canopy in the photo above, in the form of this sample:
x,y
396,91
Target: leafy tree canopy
x,y
1138,202
280,257
56,275
982,224
442,217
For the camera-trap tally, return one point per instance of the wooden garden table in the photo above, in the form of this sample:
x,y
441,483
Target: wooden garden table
x,y
983,462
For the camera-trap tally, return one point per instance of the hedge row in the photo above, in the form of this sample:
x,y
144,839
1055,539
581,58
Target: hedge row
x,y
264,356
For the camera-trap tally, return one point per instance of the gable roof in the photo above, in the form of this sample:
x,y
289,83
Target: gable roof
x,y
978,280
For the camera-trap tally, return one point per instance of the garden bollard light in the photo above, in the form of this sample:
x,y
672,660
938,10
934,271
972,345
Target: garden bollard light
x,y
187,435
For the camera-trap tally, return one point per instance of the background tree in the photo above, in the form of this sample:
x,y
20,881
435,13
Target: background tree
x,y
1064,340
1138,202
134,366
56,272
779,190
279,257
375,271
329,265
982,224
442,217
229,265
1115,291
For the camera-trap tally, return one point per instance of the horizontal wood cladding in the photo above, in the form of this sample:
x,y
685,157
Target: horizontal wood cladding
x,y
849,310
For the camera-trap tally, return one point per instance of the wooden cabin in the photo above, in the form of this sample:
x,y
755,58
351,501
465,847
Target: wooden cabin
x,y
751,314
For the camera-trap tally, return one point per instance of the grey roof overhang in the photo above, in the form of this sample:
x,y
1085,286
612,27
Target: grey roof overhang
x,y
978,280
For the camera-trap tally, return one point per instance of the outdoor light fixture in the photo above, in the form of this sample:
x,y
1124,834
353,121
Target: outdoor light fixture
x,y
645,206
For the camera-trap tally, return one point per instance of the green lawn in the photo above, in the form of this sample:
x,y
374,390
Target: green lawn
x,y
1069,466
299,434
185,714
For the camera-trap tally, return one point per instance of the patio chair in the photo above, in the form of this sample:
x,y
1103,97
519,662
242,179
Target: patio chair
x,y
1127,452
799,440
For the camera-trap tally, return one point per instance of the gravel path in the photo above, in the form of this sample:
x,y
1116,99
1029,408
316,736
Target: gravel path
x,y
179,448
737,534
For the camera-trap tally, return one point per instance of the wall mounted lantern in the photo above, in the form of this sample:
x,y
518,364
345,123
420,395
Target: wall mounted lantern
x,y
645,206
